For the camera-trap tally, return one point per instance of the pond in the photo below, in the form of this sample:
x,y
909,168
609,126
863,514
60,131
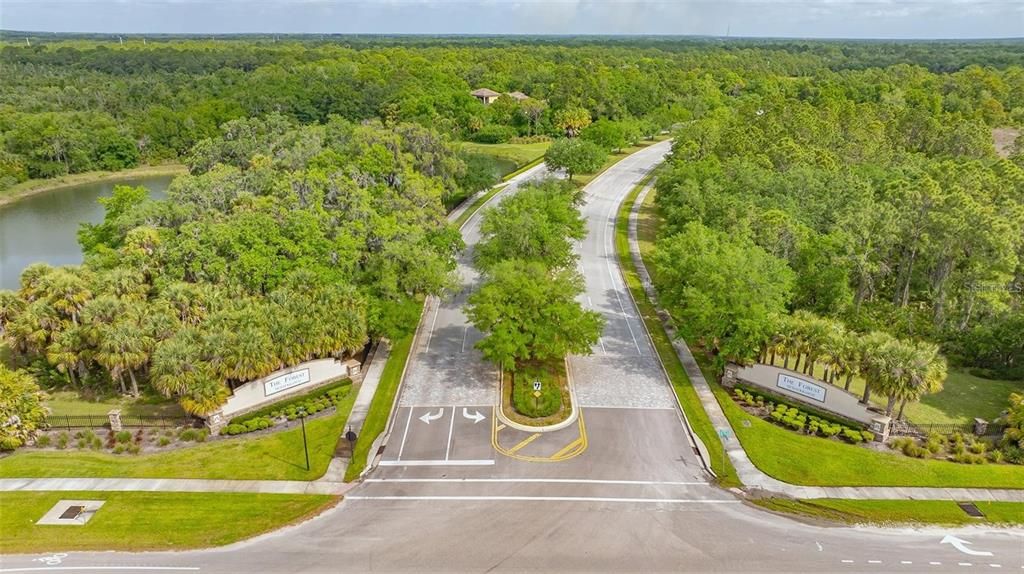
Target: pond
x,y
44,227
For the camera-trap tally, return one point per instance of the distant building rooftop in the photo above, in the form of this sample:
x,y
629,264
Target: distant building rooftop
x,y
484,93
518,96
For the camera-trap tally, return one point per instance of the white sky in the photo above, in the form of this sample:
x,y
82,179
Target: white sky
x,y
788,18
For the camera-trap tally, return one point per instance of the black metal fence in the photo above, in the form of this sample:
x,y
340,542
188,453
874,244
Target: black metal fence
x,y
127,421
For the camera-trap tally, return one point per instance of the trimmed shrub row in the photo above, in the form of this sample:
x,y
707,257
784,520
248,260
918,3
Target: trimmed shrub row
x,y
338,388
311,403
957,447
800,421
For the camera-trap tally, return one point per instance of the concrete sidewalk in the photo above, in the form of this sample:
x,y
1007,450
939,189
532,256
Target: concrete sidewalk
x,y
175,485
751,476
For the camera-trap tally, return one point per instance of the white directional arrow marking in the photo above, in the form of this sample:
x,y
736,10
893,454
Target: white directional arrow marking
x,y
475,417
432,417
961,545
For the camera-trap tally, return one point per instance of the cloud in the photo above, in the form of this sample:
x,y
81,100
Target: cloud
x,y
802,18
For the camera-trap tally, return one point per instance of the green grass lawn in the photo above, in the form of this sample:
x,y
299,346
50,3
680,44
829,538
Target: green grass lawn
x,y
963,398
277,456
888,512
380,407
150,520
815,461
695,413
518,154
73,403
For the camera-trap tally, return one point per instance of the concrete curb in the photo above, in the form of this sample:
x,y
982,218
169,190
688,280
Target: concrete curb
x,y
573,415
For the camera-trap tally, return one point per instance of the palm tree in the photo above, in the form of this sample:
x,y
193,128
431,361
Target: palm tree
x,y
832,348
873,347
66,351
204,396
10,306
926,376
31,281
66,291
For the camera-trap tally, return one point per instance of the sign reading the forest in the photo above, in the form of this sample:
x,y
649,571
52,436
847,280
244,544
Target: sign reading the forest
x,y
801,387
285,382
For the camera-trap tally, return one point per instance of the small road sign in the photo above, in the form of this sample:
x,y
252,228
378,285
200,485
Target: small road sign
x,y
536,385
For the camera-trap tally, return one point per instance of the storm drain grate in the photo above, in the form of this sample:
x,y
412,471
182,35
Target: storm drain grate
x,y
971,509
72,512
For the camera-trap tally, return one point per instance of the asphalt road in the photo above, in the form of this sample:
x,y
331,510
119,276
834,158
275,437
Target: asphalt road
x,y
621,491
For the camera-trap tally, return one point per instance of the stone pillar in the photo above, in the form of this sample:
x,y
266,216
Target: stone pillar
x,y
881,426
980,427
214,422
114,416
729,378
354,369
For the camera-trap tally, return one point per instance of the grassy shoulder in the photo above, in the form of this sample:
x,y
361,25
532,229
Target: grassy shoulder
x,y
274,456
150,520
519,154
681,384
897,512
521,404
380,408
34,186
807,460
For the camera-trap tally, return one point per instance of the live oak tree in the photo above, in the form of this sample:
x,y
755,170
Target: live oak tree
x,y
723,292
530,313
575,156
538,223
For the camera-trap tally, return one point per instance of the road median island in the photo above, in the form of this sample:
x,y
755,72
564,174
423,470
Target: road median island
x,y
537,397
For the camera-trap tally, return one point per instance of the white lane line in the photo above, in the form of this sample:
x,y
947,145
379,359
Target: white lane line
x,y
995,565
847,561
405,433
964,564
468,462
615,288
874,561
451,427
905,562
548,499
103,568
541,481
465,332
603,350
935,563
430,334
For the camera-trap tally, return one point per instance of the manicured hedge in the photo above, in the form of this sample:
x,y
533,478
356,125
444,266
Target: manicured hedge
x,y
335,391
777,398
801,421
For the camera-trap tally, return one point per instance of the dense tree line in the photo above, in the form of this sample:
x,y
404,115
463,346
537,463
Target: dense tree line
x,y
162,98
285,243
873,198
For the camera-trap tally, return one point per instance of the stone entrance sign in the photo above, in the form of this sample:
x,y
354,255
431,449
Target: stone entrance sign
x,y
802,389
